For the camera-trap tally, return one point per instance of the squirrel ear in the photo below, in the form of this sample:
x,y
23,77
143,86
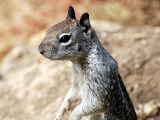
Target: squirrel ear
x,y
71,13
84,21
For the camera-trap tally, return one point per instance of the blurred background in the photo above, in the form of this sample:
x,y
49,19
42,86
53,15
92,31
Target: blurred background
x,y
33,87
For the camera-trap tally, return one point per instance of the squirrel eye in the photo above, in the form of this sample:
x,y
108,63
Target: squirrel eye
x,y
64,38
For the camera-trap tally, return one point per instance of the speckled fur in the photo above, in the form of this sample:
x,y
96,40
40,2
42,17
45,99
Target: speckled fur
x,y
96,81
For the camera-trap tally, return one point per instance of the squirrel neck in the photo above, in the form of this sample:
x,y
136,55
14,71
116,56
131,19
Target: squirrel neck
x,y
95,53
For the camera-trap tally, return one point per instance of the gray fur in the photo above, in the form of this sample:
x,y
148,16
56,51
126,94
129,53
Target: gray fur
x,y
96,81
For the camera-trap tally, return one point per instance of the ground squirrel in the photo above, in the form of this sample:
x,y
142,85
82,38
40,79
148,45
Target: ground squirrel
x,y
96,82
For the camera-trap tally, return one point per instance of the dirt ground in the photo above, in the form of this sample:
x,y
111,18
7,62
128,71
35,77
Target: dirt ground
x,y
33,87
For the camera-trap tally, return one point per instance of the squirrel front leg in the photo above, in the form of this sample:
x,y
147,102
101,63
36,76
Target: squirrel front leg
x,y
84,109
77,113
70,97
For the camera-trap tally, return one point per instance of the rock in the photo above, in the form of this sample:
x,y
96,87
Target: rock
x,y
147,109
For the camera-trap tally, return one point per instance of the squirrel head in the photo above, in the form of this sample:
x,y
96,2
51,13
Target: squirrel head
x,y
69,39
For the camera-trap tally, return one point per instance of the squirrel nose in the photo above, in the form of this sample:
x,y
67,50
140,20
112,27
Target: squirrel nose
x,y
40,49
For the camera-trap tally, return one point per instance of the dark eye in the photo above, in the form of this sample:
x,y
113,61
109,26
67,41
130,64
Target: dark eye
x,y
64,38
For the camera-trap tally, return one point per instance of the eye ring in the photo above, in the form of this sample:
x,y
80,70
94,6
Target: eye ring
x,y
64,38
